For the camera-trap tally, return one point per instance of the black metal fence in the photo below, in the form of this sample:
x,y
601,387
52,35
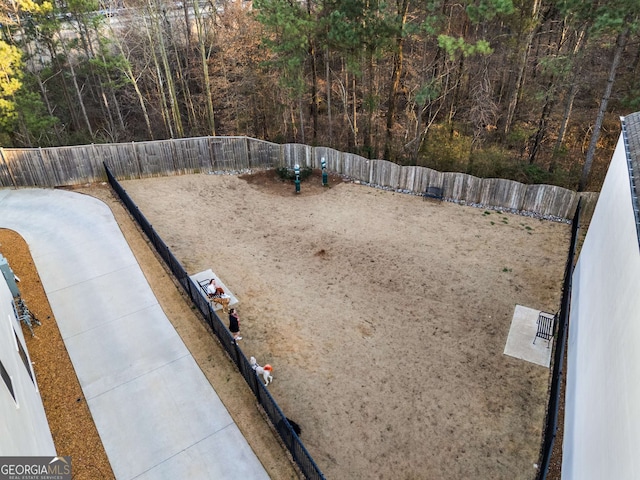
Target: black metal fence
x,y
278,419
551,425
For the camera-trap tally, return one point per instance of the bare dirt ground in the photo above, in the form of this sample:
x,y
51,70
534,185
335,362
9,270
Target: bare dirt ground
x,y
384,316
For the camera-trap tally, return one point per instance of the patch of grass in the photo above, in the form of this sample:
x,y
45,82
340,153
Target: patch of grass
x,y
493,223
505,269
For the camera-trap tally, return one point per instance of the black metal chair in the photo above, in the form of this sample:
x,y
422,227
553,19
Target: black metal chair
x,y
434,193
203,286
546,327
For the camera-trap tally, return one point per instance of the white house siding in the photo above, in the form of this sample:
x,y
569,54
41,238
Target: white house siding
x,y
602,414
24,430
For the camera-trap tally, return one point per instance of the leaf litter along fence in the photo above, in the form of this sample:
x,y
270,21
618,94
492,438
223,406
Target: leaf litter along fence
x,y
64,166
288,436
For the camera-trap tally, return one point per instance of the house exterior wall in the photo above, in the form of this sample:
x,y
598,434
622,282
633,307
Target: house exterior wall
x,y
602,402
24,430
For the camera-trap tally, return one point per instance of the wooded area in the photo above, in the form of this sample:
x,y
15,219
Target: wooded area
x,y
528,90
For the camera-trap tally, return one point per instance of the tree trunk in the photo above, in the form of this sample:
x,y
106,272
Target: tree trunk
x,y
100,96
65,89
187,24
45,97
521,66
396,75
621,42
328,81
348,122
41,85
205,68
573,91
369,106
301,114
542,123
427,110
166,115
179,72
159,82
143,106
76,87
566,115
355,111
550,96
431,114
24,131
128,72
314,81
314,90
168,76
455,96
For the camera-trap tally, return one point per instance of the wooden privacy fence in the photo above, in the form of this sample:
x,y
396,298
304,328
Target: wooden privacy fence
x,y
64,166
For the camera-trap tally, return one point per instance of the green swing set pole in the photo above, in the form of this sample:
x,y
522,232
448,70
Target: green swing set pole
x,y
296,171
325,176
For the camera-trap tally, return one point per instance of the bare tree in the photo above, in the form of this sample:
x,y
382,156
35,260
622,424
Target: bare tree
x,y
205,52
621,42
522,54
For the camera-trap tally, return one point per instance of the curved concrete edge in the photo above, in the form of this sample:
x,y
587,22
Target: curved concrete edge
x,y
156,413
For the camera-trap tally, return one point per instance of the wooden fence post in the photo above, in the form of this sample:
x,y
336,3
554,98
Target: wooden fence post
x,y
42,169
135,156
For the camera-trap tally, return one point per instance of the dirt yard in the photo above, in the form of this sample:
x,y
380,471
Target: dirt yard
x,y
383,315
387,344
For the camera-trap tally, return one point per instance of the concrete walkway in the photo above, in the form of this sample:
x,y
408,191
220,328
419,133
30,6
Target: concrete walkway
x,y
156,413
521,335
